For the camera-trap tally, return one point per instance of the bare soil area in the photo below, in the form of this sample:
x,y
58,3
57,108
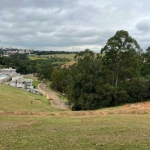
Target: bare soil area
x,y
137,108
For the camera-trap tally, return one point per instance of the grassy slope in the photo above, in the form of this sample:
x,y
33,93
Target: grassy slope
x,y
13,99
112,132
67,132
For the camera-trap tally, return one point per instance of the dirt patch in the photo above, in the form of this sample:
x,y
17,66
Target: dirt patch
x,y
142,105
25,113
68,64
137,108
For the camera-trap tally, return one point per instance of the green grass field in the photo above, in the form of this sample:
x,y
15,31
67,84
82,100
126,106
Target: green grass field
x,y
112,132
35,57
70,56
54,129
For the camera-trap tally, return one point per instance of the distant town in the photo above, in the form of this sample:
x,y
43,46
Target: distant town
x,y
10,51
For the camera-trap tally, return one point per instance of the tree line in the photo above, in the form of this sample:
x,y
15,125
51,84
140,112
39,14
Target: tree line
x,y
52,52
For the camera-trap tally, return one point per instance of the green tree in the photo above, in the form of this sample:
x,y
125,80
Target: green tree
x,y
86,72
44,70
122,55
58,80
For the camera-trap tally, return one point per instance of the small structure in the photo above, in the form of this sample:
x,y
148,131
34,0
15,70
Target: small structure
x,y
20,82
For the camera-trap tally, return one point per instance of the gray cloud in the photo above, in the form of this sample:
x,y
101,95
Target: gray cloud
x,y
71,25
144,25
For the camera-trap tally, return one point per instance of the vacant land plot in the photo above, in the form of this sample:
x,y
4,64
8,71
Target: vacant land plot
x,y
27,121
111,132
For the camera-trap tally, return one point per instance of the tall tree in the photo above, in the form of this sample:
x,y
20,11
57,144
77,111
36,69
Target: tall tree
x,y
122,56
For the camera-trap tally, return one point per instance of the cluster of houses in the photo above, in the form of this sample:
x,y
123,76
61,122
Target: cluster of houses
x,y
10,77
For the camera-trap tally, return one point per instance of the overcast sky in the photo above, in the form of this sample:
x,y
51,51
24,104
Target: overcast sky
x,y
72,25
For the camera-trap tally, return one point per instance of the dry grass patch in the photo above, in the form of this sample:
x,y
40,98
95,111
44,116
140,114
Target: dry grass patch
x,y
68,64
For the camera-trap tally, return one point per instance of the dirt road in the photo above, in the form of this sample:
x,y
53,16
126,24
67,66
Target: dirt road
x,y
55,102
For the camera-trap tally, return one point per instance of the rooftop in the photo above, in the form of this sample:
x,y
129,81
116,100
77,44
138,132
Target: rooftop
x,y
21,80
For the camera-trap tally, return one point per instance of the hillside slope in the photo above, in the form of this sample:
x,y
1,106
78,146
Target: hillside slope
x,y
13,99
37,125
17,101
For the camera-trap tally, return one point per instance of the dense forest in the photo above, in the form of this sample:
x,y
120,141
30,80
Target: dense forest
x,y
119,74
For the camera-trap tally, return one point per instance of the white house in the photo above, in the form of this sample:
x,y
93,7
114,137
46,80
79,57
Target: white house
x,y
22,83
8,71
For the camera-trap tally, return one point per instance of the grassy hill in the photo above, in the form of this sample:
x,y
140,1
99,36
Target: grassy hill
x,y
117,128
14,99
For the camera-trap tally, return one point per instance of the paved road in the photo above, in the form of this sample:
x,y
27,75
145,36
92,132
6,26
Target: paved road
x,y
55,102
